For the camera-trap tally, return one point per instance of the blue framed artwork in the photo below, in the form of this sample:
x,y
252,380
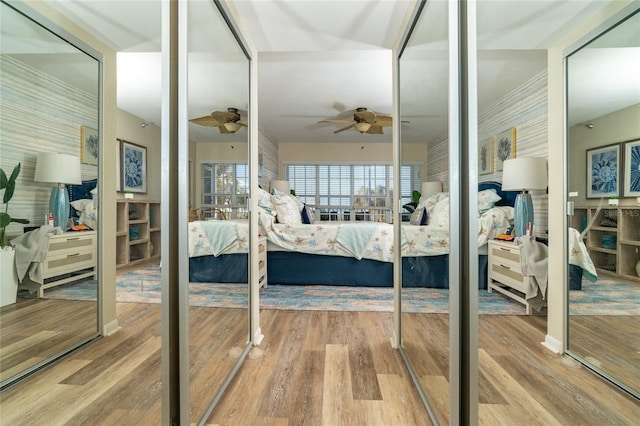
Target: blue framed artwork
x,y
504,147
134,167
632,168
603,171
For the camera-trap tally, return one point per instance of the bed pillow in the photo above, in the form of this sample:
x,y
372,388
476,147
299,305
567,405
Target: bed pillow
x,y
440,215
487,199
419,216
307,215
264,201
286,208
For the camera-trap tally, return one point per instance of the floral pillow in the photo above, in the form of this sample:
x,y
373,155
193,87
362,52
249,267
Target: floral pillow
x,y
287,208
487,199
264,201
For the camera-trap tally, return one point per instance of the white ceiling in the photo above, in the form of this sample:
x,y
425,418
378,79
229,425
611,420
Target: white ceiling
x,y
321,59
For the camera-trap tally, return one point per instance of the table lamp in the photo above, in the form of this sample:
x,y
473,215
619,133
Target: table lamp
x,y
281,186
524,174
60,169
429,188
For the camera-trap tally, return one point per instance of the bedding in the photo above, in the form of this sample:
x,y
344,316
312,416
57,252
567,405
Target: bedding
x,y
345,253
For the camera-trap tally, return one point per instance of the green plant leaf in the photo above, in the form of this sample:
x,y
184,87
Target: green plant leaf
x,y
3,180
5,220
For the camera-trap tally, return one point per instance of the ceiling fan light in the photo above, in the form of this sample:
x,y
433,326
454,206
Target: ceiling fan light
x,y
232,127
362,127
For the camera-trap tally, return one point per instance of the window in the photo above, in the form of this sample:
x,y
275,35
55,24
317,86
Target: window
x,y
351,191
225,190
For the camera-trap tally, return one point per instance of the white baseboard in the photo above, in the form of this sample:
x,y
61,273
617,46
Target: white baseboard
x,y
111,328
553,344
257,337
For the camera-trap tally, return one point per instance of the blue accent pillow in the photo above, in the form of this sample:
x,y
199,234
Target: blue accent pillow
x,y
307,217
80,192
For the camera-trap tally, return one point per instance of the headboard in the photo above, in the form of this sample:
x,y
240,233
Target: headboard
x,y
80,192
508,197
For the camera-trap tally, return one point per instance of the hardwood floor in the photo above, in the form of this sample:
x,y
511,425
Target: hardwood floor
x,y
316,368
33,330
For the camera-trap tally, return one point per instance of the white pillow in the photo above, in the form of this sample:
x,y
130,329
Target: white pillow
x,y
88,214
286,208
264,201
440,214
80,205
487,199
431,200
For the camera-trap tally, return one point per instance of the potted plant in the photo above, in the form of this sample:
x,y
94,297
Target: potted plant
x,y
8,275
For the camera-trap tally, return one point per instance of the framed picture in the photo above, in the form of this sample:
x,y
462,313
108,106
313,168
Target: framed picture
x,y
485,156
603,171
89,145
504,147
632,168
134,167
118,168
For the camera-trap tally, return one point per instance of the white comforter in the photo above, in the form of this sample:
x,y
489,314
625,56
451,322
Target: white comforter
x,y
362,240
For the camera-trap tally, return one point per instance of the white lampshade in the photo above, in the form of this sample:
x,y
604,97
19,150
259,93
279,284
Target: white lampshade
x,y
53,167
429,188
281,186
362,127
524,174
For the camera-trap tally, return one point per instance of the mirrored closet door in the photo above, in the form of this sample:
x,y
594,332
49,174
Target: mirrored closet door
x,y
217,108
603,175
423,75
49,110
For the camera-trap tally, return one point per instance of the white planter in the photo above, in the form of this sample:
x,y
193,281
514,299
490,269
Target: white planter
x,y
8,278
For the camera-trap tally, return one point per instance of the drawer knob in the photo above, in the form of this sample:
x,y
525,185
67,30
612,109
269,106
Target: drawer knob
x,y
73,238
73,255
505,267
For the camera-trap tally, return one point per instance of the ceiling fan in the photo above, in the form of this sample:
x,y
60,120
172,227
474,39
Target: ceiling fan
x,y
227,121
365,121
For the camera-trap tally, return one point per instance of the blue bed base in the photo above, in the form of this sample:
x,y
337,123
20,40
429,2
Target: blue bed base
x,y
289,268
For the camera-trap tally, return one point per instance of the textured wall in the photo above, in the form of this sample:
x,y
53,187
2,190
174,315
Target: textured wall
x,y
38,113
525,109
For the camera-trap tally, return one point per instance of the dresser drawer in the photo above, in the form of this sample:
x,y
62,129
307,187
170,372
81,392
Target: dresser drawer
x,y
505,254
509,275
69,261
70,243
262,261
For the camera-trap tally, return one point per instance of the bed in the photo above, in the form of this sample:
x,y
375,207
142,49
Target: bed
x,y
344,253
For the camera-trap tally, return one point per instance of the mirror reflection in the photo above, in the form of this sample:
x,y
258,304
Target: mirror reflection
x,y
425,225
218,104
49,109
603,106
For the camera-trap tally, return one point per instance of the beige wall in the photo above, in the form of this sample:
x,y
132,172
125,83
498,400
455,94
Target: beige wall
x,y
107,235
129,129
556,293
619,126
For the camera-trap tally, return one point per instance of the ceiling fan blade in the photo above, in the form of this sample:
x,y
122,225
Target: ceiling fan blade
x,y
375,129
384,121
345,128
206,120
336,121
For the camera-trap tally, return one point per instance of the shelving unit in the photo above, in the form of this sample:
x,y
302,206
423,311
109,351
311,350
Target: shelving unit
x,y
613,240
137,231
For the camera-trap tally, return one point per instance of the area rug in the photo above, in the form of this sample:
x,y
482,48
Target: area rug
x,y
143,286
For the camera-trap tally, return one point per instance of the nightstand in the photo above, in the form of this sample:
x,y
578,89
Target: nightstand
x,y
505,271
70,256
262,261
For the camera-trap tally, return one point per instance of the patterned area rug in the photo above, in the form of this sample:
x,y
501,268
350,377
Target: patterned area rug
x,y
143,286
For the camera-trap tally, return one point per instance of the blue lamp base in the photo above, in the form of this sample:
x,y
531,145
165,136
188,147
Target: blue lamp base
x,y
59,206
523,213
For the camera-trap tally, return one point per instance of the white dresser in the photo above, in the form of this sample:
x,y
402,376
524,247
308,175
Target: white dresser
x,y
262,261
71,256
505,271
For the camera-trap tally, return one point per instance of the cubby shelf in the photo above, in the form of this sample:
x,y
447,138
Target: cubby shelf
x,y
613,240
137,231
